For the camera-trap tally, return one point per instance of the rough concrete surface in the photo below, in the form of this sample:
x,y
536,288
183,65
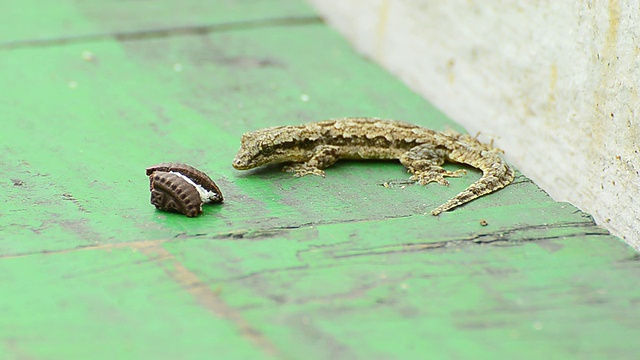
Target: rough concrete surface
x,y
555,84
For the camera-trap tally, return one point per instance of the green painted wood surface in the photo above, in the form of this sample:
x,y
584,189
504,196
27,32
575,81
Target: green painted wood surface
x,y
313,268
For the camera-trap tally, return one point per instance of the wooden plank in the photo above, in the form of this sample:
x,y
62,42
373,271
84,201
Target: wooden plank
x,y
115,303
130,103
335,267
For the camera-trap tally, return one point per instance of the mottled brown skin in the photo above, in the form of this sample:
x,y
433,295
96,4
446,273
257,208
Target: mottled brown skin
x,y
316,146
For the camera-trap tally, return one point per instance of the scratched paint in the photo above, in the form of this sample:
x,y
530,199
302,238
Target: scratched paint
x,y
340,267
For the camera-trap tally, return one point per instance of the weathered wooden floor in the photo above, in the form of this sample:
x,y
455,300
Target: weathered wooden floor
x,y
340,267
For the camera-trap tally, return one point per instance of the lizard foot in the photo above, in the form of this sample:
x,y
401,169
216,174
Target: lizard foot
x,y
436,175
300,170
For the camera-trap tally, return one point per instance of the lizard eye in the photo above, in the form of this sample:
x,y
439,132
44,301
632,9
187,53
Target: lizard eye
x,y
266,149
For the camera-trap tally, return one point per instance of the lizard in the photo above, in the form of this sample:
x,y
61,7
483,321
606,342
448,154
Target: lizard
x,y
310,148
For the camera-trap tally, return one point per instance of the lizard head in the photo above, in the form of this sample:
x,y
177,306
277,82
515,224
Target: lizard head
x,y
264,147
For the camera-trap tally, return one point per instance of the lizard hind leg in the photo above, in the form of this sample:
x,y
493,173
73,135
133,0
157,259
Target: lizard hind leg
x,y
424,162
322,157
434,174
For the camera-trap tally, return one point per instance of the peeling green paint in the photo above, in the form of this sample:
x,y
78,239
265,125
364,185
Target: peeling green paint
x,y
314,268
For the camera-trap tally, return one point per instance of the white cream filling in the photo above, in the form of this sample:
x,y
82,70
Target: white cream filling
x,y
206,195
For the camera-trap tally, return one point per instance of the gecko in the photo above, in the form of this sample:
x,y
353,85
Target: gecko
x,y
311,148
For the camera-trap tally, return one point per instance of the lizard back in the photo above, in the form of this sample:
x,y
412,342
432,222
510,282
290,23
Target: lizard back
x,y
317,145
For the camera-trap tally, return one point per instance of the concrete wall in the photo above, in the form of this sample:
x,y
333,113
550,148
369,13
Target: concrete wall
x,y
554,83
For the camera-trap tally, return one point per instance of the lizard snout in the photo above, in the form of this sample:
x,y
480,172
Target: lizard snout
x,y
240,164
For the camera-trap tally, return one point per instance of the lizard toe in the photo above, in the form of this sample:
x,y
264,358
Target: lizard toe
x,y
424,178
300,170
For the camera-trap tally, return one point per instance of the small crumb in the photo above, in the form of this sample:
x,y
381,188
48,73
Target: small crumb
x,y
386,184
72,84
304,97
519,301
483,222
177,67
88,56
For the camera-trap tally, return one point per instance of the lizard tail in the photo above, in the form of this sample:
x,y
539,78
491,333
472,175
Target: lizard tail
x,y
496,174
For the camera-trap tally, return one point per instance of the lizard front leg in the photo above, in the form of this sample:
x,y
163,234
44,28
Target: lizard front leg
x,y
424,161
322,157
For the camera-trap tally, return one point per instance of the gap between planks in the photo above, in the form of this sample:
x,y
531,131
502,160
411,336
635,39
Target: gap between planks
x,y
163,33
